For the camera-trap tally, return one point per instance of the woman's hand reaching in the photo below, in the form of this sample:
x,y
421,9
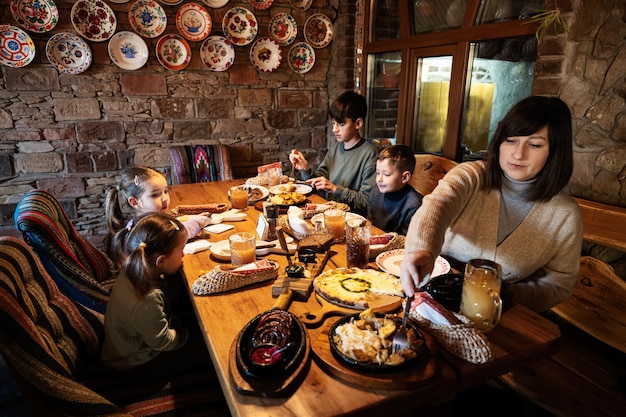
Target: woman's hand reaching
x,y
414,268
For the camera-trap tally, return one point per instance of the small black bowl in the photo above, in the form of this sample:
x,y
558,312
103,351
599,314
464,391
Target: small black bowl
x,y
446,289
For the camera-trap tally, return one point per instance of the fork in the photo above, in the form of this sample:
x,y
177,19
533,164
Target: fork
x,y
400,342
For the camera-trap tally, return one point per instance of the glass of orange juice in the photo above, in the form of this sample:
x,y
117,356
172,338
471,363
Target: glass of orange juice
x,y
480,297
239,198
335,223
242,248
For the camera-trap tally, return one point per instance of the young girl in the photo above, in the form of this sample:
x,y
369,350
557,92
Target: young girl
x,y
144,190
510,208
142,338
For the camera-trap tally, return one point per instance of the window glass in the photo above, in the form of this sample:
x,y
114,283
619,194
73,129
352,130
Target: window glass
x,y
491,11
431,103
382,97
385,20
433,15
502,74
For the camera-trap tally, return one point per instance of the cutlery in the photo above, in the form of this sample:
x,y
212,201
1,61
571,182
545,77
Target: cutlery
x,y
400,342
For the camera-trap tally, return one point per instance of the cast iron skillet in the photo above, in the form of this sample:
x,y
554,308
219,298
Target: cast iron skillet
x,y
289,361
373,367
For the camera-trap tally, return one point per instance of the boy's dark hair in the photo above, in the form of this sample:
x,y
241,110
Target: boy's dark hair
x,y
348,105
401,156
525,118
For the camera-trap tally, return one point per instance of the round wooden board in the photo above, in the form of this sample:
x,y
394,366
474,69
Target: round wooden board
x,y
408,378
271,387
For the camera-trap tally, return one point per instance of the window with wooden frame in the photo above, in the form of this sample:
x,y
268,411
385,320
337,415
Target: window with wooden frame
x,y
439,75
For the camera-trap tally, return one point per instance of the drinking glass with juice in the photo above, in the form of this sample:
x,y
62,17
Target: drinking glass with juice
x,y
335,222
239,198
480,297
242,248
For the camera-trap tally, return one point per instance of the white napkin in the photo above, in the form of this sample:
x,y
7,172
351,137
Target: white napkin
x,y
219,228
196,246
296,221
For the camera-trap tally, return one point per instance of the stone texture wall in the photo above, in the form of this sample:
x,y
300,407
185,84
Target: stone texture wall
x,y
586,67
72,134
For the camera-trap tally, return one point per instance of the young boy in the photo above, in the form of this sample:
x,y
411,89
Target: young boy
x,y
347,172
393,203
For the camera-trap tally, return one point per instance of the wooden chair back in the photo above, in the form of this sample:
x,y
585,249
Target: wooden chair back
x,y
200,163
429,169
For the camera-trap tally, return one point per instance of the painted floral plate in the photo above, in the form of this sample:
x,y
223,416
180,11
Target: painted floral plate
x,y
301,4
217,53
173,52
265,55
93,20
318,30
68,53
35,15
260,4
171,2
17,48
283,29
301,57
390,262
128,50
216,4
193,22
240,26
147,18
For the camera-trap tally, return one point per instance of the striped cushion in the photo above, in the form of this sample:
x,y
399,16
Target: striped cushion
x,y
53,344
200,163
81,271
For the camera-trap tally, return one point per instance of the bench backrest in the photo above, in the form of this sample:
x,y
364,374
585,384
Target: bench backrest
x,y
200,163
599,299
429,169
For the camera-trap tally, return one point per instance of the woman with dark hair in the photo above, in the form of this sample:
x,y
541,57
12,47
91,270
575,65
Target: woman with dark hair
x,y
510,208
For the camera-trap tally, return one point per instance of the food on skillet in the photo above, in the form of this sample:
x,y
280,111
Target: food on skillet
x,y
368,339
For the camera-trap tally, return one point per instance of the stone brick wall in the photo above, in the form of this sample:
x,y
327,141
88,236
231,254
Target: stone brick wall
x,y
72,134
586,68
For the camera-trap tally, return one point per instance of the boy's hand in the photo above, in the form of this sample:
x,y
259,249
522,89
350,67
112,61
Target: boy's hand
x,y
298,160
321,183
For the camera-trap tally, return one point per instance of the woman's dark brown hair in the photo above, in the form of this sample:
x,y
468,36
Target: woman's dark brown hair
x,y
525,118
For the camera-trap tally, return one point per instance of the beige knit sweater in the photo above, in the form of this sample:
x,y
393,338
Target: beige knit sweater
x,y
540,259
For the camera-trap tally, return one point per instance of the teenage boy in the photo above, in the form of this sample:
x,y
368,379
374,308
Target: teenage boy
x,y
347,172
394,201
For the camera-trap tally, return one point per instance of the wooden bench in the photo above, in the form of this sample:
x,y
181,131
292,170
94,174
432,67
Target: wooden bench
x,y
588,375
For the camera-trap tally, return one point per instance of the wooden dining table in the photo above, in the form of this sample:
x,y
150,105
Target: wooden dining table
x,y
323,388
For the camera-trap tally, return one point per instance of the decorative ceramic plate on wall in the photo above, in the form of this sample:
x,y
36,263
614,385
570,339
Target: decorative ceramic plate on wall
x,y
318,30
240,26
217,53
171,2
173,52
301,57
35,15
261,4
301,4
265,55
147,18
94,20
193,22
68,53
128,50
283,29
216,4
16,47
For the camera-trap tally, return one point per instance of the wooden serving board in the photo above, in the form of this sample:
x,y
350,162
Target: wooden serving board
x,y
378,303
271,387
415,375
